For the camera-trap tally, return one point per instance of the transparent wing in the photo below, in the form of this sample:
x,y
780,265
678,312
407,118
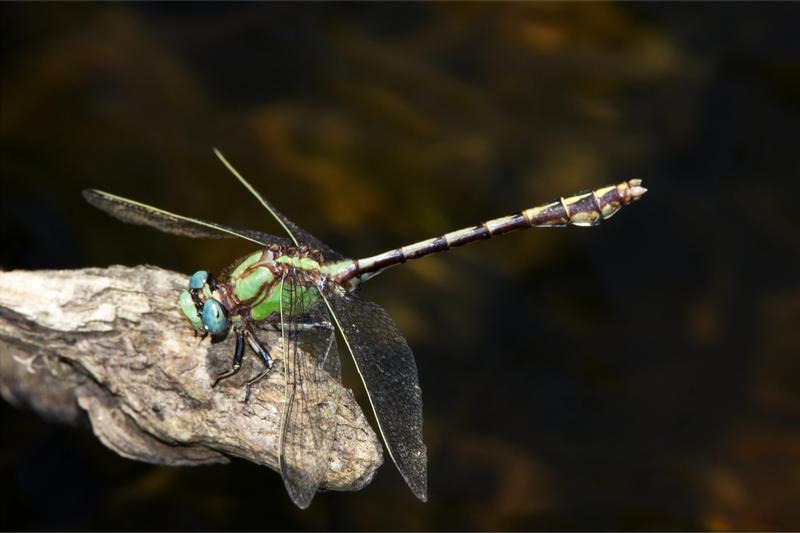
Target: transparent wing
x,y
298,234
389,373
313,377
145,215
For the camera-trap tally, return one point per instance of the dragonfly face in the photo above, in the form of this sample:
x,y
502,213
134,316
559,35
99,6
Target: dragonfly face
x,y
201,308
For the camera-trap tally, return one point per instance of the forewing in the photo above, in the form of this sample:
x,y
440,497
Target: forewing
x,y
313,377
298,234
134,212
389,372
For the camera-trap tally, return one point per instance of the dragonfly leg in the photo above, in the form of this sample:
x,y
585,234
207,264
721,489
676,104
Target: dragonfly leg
x,y
237,360
263,354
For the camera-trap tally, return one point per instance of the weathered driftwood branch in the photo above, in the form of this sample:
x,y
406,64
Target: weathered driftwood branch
x,y
111,343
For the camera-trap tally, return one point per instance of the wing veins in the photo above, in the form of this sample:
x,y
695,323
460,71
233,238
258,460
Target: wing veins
x,y
139,213
415,480
308,426
272,211
298,235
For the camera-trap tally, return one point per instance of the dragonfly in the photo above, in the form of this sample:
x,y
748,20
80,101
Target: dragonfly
x,y
307,291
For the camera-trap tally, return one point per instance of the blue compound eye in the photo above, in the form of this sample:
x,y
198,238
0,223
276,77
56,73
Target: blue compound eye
x,y
214,318
198,279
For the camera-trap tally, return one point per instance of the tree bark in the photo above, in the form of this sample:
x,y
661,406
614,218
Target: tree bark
x,y
111,346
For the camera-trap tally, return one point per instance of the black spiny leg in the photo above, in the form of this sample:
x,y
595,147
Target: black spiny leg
x,y
237,360
263,354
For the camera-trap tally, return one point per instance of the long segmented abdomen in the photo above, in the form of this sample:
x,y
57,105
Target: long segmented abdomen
x,y
581,209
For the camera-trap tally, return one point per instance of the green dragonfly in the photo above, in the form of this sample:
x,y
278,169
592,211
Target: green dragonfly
x,y
307,290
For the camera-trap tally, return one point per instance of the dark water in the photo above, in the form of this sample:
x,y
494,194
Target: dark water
x,y
640,375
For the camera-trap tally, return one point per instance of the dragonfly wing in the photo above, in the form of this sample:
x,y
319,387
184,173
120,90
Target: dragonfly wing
x,y
145,215
297,234
313,378
389,372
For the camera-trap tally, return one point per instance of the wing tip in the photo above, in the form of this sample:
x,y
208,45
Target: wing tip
x,y
419,486
301,498
224,161
301,503
93,196
414,469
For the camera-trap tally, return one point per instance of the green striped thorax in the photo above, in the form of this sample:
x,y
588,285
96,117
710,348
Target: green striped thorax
x,y
252,288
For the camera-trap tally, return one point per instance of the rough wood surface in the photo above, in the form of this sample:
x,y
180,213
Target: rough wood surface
x,y
112,344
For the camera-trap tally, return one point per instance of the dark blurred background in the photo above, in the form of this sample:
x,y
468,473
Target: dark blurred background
x,y
639,375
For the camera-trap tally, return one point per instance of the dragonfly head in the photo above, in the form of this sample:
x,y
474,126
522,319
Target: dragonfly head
x,y
199,306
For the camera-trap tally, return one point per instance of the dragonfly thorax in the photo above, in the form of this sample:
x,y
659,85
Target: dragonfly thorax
x,y
251,288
